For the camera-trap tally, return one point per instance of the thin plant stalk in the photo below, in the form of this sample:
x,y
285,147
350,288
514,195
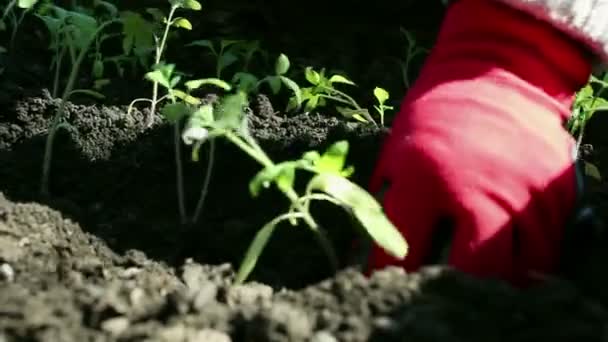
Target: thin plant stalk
x,y
201,201
159,53
256,153
48,151
178,171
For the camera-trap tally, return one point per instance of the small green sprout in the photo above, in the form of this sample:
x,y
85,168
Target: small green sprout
x,y
180,104
225,55
170,21
413,50
381,96
323,89
587,102
328,182
249,83
72,34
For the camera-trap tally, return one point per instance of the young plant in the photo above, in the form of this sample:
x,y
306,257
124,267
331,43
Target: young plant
x,y
249,83
328,182
412,51
169,21
181,102
381,96
323,89
228,52
72,33
587,102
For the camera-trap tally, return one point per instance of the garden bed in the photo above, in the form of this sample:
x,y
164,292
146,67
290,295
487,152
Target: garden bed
x,y
105,258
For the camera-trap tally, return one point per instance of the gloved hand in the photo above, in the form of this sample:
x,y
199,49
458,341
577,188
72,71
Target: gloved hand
x,y
479,145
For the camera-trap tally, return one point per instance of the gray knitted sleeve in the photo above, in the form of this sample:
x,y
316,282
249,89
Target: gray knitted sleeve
x,y
584,20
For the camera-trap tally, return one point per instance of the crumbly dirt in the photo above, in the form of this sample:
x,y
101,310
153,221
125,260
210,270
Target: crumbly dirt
x,y
105,258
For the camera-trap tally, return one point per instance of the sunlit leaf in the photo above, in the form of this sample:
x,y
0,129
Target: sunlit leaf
x,y
340,79
26,4
282,64
333,159
293,86
189,99
312,76
182,23
365,208
282,174
381,94
195,84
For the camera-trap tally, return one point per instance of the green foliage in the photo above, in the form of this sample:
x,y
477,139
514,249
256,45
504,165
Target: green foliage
x,y
249,83
323,89
72,34
78,35
587,102
229,52
328,183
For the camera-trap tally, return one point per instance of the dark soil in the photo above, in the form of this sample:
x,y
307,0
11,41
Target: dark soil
x,y
105,258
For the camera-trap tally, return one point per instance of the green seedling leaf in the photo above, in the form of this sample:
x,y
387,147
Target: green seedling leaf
x,y
231,111
334,159
2,25
592,171
2,49
283,175
311,157
245,81
340,79
226,60
174,112
182,23
189,99
365,208
293,86
228,42
192,5
202,117
138,32
357,114
255,250
204,43
313,102
156,14
98,68
312,76
26,4
282,65
381,95
188,4
161,75
275,84
85,27
195,84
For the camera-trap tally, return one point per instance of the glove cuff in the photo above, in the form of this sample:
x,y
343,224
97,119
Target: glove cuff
x,y
583,20
482,38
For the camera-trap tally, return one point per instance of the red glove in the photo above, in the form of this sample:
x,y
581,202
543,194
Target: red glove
x,y
480,143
